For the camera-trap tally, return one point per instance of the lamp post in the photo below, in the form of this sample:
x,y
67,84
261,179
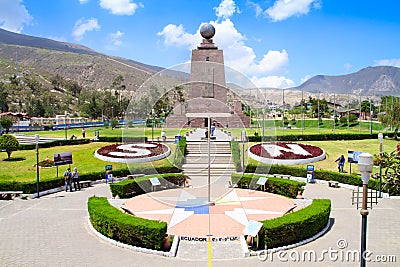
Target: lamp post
x,y
370,116
263,124
152,125
380,137
365,167
37,163
65,122
243,139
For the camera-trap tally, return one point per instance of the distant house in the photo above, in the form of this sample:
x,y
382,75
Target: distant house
x,y
345,112
18,118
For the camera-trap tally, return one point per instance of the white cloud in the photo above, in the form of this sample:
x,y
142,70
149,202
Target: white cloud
x,y
116,38
284,9
306,78
120,7
176,36
237,54
13,15
347,67
81,27
226,9
257,8
272,82
395,62
83,1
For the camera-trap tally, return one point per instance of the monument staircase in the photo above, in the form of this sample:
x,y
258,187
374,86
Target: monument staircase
x,y
196,163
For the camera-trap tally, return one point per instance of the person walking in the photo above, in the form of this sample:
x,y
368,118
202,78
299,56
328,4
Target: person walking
x,y
83,133
68,180
340,160
212,129
75,179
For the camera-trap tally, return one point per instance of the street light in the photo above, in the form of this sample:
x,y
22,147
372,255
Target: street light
x,y
243,139
365,167
65,122
380,138
37,163
370,116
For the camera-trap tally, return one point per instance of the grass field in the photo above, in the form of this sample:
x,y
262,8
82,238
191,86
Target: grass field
x,y
82,155
24,170
334,149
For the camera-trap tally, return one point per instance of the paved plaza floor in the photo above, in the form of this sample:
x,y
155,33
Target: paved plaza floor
x,y
188,213
53,231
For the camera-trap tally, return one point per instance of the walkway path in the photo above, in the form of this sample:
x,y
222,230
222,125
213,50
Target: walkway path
x,y
53,231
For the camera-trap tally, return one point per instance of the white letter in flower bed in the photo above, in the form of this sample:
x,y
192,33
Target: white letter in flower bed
x,y
275,150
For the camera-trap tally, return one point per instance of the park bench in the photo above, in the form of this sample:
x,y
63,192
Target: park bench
x,y
333,184
84,183
283,176
9,195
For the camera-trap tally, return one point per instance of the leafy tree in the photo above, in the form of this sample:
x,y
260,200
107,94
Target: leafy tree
x,y
3,98
391,117
352,118
343,120
9,143
6,123
320,106
114,123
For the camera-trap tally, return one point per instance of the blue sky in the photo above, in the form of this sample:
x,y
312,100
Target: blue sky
x,y
276,43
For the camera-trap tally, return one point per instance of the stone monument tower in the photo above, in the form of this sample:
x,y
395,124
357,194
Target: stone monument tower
x,y
207,90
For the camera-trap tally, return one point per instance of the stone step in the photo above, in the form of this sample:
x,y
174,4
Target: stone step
x,y
219,248
205,166
212,161
205,151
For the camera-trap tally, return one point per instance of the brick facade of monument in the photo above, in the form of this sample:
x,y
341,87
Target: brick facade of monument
x,y
207,92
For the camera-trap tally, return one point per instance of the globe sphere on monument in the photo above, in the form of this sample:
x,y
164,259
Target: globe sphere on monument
x,y
207,31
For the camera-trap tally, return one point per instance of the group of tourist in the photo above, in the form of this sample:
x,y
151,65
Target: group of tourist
x,y
71,178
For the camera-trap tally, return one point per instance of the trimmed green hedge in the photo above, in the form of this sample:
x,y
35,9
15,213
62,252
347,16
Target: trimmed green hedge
x,y
235,151
116,139
314,137
296,226
30,187
133,187
288,188
180,153
351,179
125,228
54,143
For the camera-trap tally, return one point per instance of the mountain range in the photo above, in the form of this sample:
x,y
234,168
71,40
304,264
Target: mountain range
x,y
91,69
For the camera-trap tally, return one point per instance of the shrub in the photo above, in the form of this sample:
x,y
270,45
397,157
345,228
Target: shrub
x,y
141,185
351,179
30,187
235,150
315,137
54,143
125,228
9,143
288,188
180,153
296,226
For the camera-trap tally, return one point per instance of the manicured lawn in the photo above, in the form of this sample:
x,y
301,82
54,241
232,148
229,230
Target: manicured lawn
x,y
124,132
82,155
334,149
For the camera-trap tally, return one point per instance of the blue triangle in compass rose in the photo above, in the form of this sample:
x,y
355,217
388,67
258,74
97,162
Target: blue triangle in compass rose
x,y
188,202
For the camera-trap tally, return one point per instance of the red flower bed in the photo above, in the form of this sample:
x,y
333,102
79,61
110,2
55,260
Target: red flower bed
x,y
260,151
130,153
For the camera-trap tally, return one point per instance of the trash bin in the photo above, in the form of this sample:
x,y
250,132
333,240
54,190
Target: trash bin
x,y
177,138
310,174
